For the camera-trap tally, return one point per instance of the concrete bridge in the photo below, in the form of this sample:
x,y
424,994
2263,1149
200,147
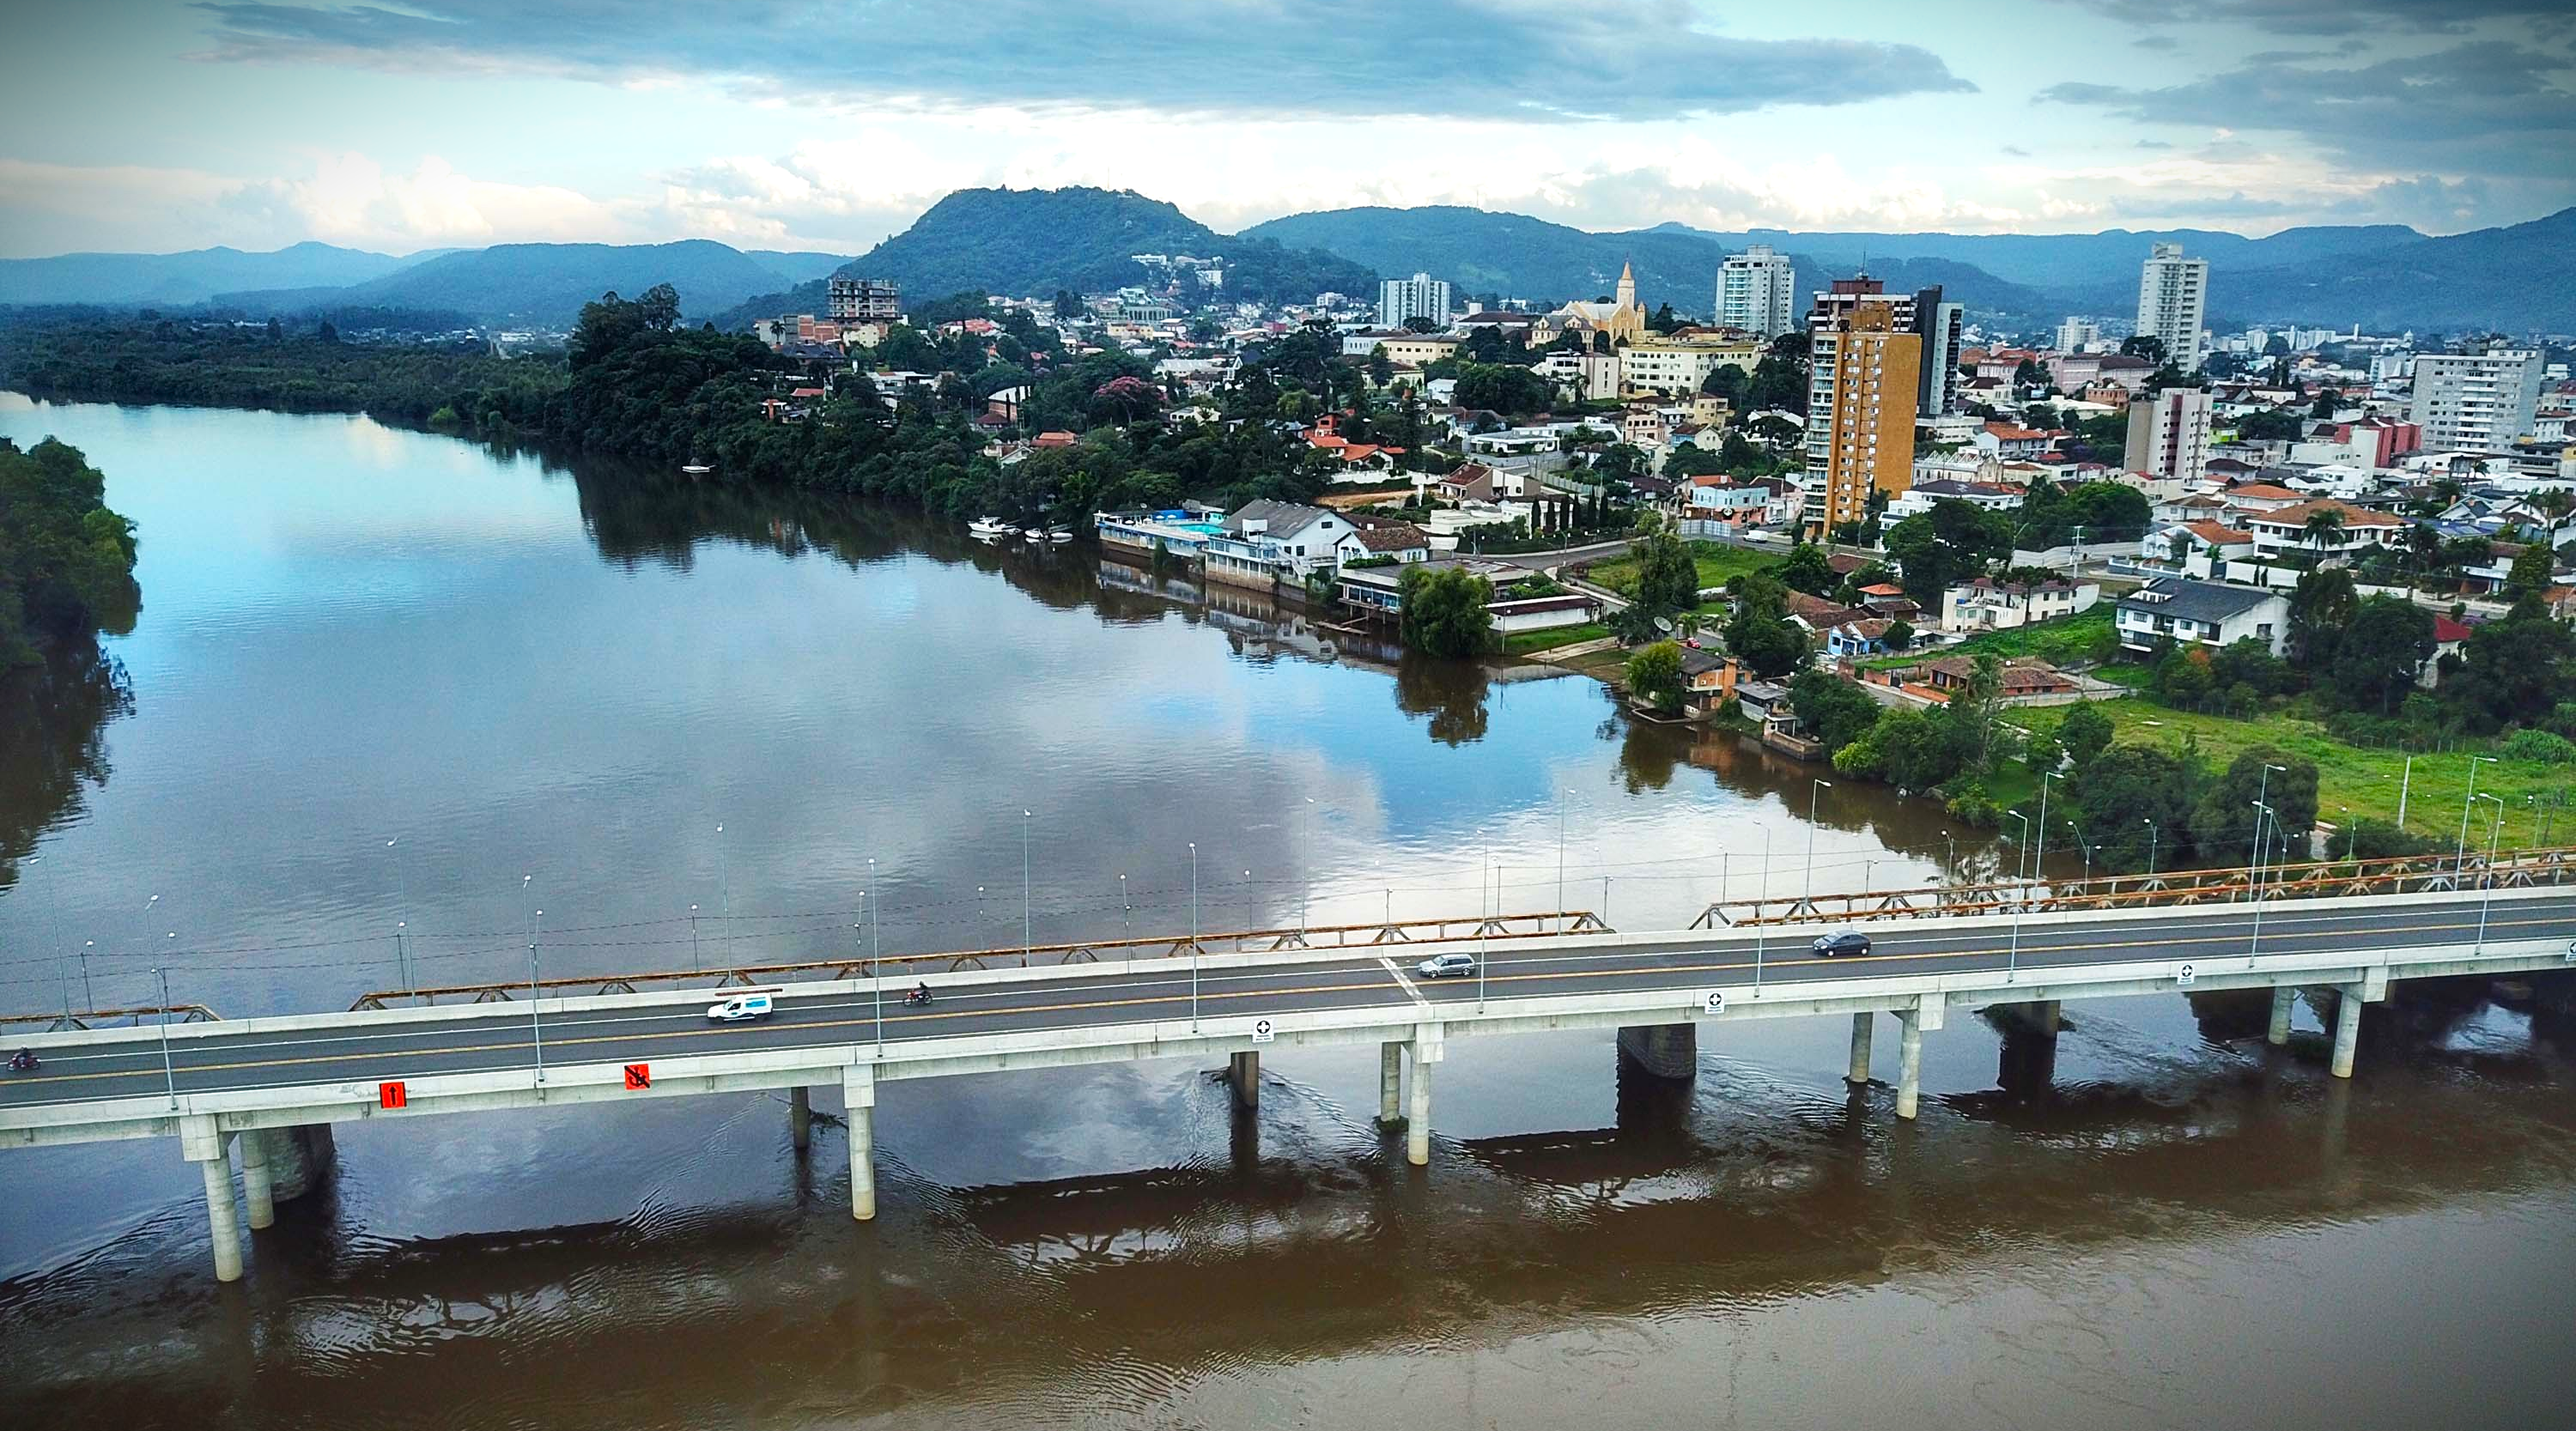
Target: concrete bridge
x,y
272,1086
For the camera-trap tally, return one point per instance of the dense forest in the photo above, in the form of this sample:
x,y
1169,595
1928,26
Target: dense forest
x,y
90,357
66,561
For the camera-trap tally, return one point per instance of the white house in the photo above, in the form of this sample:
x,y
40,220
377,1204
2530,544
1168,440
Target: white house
x,y
2207,612
2284,529
1265,542
1990,605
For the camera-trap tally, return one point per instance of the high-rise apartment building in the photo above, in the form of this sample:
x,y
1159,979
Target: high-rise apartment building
x,y
865,300
1921,313
1866,370
2077,334
2173,302
2169,434
1421,296
2476,402
1757,291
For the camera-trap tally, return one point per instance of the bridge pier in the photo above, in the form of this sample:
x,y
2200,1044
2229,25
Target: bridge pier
x,y
259,1185
1858,1073
800,1117
1427,1050
2284,1000
210,1150
1911,1023
1390,1084
1664,1050
859,1095
1243,1076
2347,1028
299,1158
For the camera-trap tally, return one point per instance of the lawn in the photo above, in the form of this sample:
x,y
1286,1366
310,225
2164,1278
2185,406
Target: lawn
x,y
1522,643
2360,779
1717,562
2066,640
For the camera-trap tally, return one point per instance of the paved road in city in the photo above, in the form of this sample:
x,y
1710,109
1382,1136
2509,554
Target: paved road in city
x,y
366,1050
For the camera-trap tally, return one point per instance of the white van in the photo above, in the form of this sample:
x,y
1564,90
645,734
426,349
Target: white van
x,y
739,1008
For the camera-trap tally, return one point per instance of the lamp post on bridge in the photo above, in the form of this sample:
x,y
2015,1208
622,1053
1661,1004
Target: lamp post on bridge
x,y
1194,936
402,912
1815,789
2262,812
2488,899
2152,835
724,871
2012,956
2254,868
1027,945
2460,867
169,1070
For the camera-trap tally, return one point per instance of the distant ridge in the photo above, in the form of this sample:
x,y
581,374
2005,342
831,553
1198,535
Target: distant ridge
x,y
184,278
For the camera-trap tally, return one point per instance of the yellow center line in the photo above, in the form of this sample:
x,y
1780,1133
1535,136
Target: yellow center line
x,y
1077,1006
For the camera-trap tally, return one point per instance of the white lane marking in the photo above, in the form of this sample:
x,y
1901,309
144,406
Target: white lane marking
x,y
1398,975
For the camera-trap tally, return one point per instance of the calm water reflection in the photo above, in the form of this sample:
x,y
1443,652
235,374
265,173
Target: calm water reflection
x,y
355,636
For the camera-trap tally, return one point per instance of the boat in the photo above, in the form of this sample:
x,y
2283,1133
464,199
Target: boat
x,y
991,530
1059,535
696,469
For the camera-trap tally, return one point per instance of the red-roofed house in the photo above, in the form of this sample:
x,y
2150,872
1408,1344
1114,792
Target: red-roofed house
x,y
2285,529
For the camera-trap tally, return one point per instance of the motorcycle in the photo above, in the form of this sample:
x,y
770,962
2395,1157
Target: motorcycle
x,y
918,998
24,1061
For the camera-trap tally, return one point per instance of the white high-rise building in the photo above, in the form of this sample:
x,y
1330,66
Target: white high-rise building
x,y
2476,402
2173,302
1757,291
1421,296
2169,435
2075,335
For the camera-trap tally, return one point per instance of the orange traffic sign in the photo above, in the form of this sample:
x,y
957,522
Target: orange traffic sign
x,y
392,1095
639,1075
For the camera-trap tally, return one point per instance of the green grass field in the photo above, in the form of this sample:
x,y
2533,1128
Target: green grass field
x,y
2352,780
1522,643
1716,561
2059,642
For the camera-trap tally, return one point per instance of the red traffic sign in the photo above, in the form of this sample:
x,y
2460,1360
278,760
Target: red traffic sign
x,y
639,1075
392,1095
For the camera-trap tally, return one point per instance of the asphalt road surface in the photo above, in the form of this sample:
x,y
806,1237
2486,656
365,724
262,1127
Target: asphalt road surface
x,y
1518,968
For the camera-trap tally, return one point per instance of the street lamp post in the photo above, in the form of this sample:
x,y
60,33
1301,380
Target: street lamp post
x,y
169,1070
1761,892
1815,788
402,913
2262,812
1194,936
1028,945
724,871
2152,835
1560,859
2012,956
1484,921
2088,854
2461,857
2404,784
2488,898
695,959
536,1031
2254,868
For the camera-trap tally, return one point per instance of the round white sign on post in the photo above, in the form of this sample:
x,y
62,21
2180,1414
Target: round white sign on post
x,y
1714,1001
1262,1031
2184,974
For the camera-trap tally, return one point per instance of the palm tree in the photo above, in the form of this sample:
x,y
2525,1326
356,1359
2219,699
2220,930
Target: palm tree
x,y
2556,504
2322,526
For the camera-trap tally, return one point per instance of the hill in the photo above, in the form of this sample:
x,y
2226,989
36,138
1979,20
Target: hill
x,y
543,284
1509,255
2512,280
1517,256
2062,263
184,278
797,267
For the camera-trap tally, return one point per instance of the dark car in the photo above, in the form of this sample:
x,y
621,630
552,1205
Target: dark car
x,y
1841,941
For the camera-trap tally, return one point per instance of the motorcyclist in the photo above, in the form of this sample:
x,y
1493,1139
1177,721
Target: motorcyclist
x,y
920,992
23,1061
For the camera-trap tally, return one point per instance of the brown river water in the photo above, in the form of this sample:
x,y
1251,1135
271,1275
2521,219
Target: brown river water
x,y
549,685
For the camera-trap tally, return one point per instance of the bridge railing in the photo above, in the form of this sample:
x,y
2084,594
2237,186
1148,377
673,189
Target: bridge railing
x,y
1087,951
2395,874
66,1019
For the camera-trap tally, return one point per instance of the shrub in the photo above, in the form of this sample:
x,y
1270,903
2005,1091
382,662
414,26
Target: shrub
x,y
2538,745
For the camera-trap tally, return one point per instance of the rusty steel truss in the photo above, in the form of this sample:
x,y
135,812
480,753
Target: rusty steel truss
x,y
101,1018
2396,874
1244,941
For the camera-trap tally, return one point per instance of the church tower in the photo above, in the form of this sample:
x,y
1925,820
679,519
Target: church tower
x,y
1627,285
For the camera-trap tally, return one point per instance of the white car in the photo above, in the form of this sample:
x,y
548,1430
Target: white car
x,y
739,1008
1446,966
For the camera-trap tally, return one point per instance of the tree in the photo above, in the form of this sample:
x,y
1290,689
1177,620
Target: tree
x,y
1838,711
2322,527
2085,733
1759,633
2222,821
1419,323
1512,391
1655,675
2181,677
66,560
1667,575
1900,634
2273,425
2144,345
1807,570
1726,381
1067,304
2531,570
2512,672
2248,662
1444,613
1949,545
2378,654
2135,802
2321,606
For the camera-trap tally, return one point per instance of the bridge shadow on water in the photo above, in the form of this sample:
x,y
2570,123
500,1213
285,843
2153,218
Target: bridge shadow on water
x,y
1046,1298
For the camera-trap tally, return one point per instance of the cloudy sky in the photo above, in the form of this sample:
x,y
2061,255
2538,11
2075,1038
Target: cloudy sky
x,y
827,124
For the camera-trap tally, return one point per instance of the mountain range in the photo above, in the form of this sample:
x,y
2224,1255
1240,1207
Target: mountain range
x,y
1036,241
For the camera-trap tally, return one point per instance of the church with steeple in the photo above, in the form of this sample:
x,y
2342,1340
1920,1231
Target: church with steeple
x,y
1623,318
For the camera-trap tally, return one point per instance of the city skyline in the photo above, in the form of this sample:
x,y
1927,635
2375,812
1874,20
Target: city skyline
x,y
466,122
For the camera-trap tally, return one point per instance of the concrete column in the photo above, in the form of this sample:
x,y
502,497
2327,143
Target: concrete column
x,y
1859,1071
1390,1084
2347,1032
1664,1050
2284,999
1243,1072
259,1190
800,1118
859,1094
1909,1074
1428,1049
299,1158
209,1149
1417,1127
